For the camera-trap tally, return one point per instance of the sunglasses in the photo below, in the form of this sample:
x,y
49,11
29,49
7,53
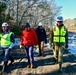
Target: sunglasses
x,y
59,21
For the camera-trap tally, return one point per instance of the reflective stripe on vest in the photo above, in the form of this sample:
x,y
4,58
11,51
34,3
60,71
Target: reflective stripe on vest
x,y
5,40
59,34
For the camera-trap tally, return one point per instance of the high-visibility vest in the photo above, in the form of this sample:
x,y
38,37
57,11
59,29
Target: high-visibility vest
x,y
59,34
0,37
5,40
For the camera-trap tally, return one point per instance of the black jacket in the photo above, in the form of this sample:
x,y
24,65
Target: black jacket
x,y
41,34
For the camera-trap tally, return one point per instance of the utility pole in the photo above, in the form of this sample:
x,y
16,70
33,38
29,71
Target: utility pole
x,y
17,14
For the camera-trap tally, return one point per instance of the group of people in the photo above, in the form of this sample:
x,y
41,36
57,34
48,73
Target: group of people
x,y
30,38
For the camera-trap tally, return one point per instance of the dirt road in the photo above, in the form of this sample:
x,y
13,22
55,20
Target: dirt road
x,y
43,65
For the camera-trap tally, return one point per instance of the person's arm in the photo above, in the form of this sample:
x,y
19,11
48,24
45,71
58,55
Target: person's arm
x,y
21,39
66,39
35,37
45,36
51,35
12,38
37,32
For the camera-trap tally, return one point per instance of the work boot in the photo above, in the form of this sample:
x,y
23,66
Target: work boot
x,y
11,59
4,67
55,61
60,67
31,65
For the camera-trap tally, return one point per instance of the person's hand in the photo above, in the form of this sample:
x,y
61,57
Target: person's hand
x,y
66,46
21,46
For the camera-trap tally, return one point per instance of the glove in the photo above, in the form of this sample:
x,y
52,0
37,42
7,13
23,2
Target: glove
x,y
21,46
66,46
36,46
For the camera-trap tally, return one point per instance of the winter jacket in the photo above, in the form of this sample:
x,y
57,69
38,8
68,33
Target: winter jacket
x,y
28,38
41,34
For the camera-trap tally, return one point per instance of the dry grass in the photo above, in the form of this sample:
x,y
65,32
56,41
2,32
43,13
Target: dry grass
x,y
72,29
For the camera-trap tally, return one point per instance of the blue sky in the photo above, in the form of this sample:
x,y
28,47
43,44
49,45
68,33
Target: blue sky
x,y
68,10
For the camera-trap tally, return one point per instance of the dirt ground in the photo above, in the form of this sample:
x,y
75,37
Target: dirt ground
x,y
43,65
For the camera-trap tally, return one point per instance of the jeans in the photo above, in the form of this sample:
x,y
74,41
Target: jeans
x,y
29,53
7,54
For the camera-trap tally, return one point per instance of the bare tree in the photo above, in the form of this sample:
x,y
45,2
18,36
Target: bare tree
x,y
33,11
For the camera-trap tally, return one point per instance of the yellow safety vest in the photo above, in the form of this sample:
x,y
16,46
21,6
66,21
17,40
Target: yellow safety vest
x,y
5,40
59,34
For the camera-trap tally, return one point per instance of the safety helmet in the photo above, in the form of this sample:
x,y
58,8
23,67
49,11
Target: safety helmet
x,y
59,18
4,24
40,24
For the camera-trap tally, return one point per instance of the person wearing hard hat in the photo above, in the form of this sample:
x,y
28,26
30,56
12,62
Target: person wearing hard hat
x,y
41,34
28,40
59,38
7,41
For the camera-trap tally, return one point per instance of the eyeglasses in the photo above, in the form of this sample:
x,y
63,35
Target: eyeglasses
x,y
59,21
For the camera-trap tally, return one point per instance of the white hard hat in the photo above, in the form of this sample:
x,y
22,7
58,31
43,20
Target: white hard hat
x,y
4,24
40,24
59,18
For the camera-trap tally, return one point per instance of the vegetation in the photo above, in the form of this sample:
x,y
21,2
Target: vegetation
x,y
17,12
4,16
17,30
2,12
70,24
33,11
